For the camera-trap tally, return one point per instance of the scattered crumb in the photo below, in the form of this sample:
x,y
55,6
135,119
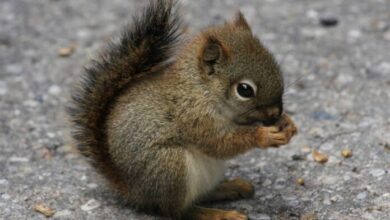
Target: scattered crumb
x,y
306,149
387,146
47,153
308,216
377,208
300,181
44,209
347,153
66,51
320,157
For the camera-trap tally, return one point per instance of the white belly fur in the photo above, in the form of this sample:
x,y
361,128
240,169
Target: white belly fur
x,y
203,174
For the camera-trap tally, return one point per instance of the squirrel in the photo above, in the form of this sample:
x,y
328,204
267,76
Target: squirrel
x,y
158,117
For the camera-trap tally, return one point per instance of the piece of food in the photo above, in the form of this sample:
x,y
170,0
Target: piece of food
x,y
300,181
44,209
320,157
309,216
347,153
66,51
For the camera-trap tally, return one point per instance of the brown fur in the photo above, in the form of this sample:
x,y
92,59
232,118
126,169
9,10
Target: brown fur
x,y
137,117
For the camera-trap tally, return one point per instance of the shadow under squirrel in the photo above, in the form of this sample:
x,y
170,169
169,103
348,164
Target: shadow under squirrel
x,y
158,122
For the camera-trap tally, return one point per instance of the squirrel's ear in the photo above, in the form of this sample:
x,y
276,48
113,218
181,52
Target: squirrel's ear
x,y
213,53
240,21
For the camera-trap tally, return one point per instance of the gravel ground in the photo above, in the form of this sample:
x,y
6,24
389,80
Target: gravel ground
x,y
338,93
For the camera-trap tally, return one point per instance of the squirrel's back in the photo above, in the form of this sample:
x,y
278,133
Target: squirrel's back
x,y
143,49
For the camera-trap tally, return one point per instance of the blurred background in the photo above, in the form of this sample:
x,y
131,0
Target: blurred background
x,y
336,60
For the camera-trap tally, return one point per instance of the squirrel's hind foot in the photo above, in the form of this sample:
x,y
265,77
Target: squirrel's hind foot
x,y
231,190
200,213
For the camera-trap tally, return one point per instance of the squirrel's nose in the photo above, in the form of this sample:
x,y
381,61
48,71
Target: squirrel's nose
x,y
272,115
273,112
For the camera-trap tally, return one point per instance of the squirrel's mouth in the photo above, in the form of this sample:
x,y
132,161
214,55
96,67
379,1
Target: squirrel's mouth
x,y
265,117
252,121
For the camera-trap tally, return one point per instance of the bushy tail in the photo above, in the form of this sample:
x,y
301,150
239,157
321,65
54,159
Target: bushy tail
x,y
143,46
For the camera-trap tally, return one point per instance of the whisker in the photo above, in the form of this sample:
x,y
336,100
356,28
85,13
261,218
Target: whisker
x,y
288,93
248,112
299,101
295,81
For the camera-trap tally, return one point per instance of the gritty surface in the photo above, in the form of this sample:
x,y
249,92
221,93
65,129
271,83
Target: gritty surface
x,y
340,99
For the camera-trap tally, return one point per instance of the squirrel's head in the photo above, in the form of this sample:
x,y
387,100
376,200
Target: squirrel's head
x,y
240,74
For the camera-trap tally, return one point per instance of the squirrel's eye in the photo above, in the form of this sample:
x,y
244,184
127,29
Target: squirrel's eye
x,y
245,90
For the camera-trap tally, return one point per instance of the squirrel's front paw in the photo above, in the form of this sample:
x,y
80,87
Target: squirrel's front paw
x,y
279,134
271,137
286,125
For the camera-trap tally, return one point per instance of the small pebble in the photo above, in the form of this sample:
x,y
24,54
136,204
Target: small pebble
x,y
31,103
386,35
280,183
329,21
263,217
354,33
377,172
62,213
346,177
327,201
92,185
267,182
384,67
3,182
361,195
297,157
47,153
44,209
306,149
320,157
330,180
51,134
368,216
346,153
317,132
90,205
54,90
19,159
322,115
313,32
5,196
3,88
387,146
14,68
246,208
293,203
336,198
83,178
312,14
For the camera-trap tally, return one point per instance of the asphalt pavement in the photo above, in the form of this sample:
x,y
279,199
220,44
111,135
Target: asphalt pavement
x,y
336,59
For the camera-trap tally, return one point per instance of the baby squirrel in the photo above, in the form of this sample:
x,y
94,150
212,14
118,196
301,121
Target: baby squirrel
x,y
158,122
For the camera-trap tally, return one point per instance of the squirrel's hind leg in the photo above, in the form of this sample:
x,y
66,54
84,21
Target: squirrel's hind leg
x,y
227,190
231,190
200,213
